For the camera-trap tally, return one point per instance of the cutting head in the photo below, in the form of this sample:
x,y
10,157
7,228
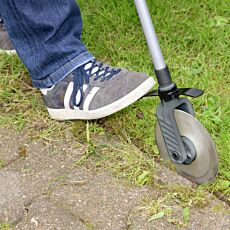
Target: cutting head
x,y
205,166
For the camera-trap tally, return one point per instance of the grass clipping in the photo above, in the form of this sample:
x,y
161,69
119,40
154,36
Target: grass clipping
x,y
124,160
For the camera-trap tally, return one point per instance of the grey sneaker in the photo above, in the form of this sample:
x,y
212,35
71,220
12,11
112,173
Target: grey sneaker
x,y
5,43
95,90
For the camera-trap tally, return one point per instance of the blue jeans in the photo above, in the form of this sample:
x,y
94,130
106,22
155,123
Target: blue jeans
x,y
47,37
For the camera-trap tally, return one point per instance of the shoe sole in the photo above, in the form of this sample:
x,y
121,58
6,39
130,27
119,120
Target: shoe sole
x,y
71,114
9,52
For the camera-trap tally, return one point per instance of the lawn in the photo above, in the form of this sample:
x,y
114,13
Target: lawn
x,y
194,37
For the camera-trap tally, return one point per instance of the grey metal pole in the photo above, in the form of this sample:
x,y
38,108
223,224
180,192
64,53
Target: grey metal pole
x,y
150,34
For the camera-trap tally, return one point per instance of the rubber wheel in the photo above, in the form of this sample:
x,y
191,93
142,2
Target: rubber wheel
x,y
205,166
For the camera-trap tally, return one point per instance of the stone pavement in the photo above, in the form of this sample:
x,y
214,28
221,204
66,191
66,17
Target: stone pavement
x,y
40,189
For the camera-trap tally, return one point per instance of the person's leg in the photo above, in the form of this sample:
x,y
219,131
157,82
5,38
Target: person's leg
x,y
74,85
46,35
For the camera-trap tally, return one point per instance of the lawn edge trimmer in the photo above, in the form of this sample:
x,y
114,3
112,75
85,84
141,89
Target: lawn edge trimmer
x,y
180,137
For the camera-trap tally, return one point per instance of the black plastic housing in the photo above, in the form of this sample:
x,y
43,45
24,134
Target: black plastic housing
x,y
164,78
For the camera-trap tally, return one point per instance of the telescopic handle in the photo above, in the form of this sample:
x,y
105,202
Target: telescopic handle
x,y
150,34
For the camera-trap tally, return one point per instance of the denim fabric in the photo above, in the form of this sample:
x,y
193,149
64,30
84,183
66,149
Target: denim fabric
x,y
47,37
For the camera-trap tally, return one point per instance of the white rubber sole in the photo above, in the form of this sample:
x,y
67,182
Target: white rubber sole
x,y
9,52
73,114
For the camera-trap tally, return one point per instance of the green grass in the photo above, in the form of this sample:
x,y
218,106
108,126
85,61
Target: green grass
x,y
168,200
4,226
124,160
195,41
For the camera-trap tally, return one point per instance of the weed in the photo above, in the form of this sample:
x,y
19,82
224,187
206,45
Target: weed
x,y
89,225
173,199
2,164
4,226
186,215
124,160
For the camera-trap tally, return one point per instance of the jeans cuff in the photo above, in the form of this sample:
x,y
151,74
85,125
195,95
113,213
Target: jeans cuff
x,y
61,73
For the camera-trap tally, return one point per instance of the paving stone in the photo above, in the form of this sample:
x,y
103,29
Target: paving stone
x,y
102,201
10,144
11,205
44,215
43,167
24,179
207,218
40,189
170,177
